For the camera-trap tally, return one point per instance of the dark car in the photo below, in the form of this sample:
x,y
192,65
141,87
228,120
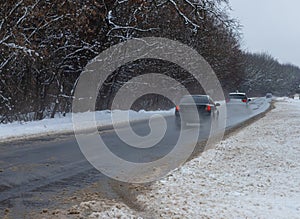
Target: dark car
x,y
194,108
238,97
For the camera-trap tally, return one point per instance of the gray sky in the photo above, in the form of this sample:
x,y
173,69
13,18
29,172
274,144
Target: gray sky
x,y
271,26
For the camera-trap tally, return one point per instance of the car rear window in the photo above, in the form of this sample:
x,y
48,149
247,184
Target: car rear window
x,y
237,96
192,99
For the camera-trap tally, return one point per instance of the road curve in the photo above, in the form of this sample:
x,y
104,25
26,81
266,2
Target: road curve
x,y
33,171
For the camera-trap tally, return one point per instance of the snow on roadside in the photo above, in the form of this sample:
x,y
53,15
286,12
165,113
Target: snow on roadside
x,y
90,209
110,209
252,174
17,130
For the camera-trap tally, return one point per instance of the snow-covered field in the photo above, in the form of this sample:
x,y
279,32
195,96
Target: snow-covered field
x,y
59,125
254,173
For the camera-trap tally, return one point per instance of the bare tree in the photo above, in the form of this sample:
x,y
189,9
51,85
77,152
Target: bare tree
x,y
263,74
46,44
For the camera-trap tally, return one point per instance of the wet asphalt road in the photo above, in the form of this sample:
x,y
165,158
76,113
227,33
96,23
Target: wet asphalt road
x,y
32,171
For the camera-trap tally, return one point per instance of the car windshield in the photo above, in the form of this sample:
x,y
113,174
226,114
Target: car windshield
x,y
192,99
237,96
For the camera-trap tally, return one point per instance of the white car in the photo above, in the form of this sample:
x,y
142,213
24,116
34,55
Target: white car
x,y
238,97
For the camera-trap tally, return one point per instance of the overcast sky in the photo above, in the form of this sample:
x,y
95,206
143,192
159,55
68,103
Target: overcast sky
x,y
271,26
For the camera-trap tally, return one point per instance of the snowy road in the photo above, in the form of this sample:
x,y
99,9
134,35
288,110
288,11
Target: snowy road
x,y
255,173
34,172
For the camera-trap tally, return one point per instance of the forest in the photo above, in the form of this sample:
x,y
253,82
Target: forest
x,y
45,45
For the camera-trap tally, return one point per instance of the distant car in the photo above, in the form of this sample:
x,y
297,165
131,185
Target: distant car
x,y
269,95
194,107
238,97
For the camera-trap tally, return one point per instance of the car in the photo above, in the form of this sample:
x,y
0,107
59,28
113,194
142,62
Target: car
x,y
238,97
191,108
269,95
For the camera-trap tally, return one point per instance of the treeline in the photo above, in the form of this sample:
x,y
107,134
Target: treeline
x,y
45,45
264,74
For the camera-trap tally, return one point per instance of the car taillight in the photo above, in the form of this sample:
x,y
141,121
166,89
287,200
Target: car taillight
x,y
177,108
244,100
208,108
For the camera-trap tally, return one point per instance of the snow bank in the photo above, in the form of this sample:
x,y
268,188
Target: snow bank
x,y
252,174
58,125
111,209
